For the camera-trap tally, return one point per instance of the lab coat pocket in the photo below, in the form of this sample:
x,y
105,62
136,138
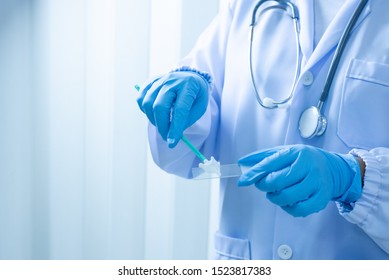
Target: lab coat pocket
x,y
229,248
364,110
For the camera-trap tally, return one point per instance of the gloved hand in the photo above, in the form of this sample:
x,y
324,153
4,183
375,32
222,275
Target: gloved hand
x,y
174,102
303,179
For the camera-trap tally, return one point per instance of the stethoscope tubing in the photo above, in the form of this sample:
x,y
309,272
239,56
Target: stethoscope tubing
x,y
339,50
284,5
315,112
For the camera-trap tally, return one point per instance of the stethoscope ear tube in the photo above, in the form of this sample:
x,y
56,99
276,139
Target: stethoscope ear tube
x,y
312,123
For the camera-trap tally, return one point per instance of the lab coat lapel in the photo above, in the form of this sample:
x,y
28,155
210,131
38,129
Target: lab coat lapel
x,y
306,13
333,33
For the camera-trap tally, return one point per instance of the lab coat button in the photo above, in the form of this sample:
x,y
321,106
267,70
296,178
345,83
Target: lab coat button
x,y
285,252
308,78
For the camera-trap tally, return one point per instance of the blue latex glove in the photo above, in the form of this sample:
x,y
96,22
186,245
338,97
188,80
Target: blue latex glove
x,y
174,102
303,179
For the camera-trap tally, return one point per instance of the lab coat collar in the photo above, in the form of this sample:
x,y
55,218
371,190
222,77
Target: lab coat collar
x,y
331,36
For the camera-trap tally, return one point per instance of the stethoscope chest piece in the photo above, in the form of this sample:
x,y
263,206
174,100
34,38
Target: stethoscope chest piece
x,y
312,123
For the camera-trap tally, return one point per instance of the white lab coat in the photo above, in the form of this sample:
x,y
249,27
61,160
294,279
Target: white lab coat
x,y
234,125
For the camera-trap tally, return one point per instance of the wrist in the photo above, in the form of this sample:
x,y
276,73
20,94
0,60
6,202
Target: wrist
x,y
354,188
207,78
362,168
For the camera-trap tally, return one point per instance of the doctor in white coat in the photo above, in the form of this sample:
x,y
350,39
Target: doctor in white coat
x,y
304,196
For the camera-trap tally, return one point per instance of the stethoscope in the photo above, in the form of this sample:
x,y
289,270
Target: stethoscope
x,y
312,122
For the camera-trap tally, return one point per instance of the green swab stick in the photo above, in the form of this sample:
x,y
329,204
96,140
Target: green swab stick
x,y
194,149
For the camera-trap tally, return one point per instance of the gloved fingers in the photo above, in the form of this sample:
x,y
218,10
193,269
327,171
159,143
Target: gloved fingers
x,y
315,203
142,93
162,109
275,162
293,194
278,180
258,156
189,106
147,99
252,176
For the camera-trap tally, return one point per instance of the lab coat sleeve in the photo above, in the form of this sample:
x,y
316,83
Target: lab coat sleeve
x,y
208,56
371,211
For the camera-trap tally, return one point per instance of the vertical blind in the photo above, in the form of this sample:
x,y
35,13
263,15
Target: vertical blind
x,y
76,177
